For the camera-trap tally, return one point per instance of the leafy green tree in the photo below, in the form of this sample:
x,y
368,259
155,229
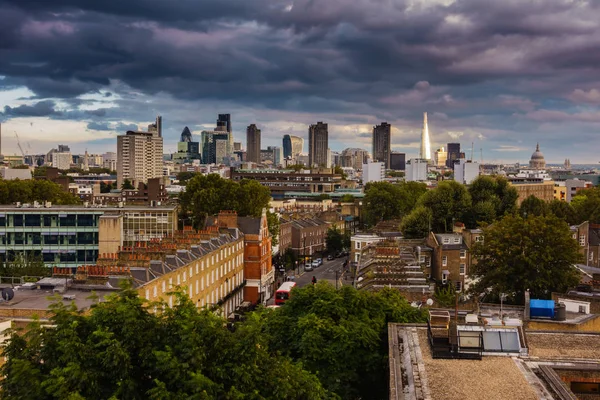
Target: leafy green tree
x,y
445,295
586,205
24,264
324,196
536,253
334,240
122,351
449,202
384,201
417,224
30,190
340,335
273,223
127,185
563,210
492,198
347,198
296,167
208,194
395,174
533,206
183,177
338,170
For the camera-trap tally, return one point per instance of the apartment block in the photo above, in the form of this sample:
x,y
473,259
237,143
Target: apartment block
x,y
139,157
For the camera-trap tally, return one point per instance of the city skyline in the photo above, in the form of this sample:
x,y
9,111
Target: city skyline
x,y
483,72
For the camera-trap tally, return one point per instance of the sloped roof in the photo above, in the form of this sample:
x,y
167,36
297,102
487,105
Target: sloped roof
x,y
249,225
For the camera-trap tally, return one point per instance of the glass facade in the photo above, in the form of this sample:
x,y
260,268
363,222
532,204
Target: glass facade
x,y
61,239
145,225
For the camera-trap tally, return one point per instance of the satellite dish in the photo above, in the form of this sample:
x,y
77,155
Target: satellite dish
x,y
8,294
429,302
414,304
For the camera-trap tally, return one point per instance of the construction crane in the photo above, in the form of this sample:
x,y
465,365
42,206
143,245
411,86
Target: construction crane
x,y
19,144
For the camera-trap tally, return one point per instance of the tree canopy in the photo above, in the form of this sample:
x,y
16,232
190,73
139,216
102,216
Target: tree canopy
x,y
120,350
30,190
335,240
586,205
536,253
384,201
533,206
208,194
449,202
323,344
492,198
340,335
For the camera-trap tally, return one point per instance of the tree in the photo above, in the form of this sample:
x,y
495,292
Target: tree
x,y
121,350
449,202
127,185
208,194
338,170
533,206
30,190
492,198
183,177
395,174
324,196
417,224
384,201
273,223
347,198
340,335
296,167
334,241
24,264
563,210
586,205
536,253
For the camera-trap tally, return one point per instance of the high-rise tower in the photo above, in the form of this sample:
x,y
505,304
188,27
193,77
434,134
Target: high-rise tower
x,y
425,145
253,144
382,143
318,143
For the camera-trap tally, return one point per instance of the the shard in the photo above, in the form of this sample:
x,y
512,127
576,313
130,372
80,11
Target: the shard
x,y
425,144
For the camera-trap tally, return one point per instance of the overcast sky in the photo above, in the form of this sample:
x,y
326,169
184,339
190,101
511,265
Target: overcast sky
x,y
501,74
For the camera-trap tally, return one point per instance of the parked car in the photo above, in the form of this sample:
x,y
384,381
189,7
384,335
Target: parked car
x,y
320,261
308,267
330,257
315,264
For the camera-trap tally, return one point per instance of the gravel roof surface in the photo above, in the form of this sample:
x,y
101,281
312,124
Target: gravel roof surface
x,y
561,345
493,378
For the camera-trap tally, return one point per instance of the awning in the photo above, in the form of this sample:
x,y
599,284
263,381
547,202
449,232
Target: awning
x,y
446,272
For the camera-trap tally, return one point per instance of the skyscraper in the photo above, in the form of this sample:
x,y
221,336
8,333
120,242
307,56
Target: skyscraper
x,y
453,154
253,144
187,149
318,143
292,146
224,120
156,127
425,145
382,143
214,146
139,156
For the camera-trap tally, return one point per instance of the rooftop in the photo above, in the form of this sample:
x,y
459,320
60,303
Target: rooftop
x,y
81,207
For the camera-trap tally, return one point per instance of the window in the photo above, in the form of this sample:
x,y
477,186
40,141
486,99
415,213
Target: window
x,y
446,240
457,240
444,261
479,238
184,276
591,256
422,259
582,240
164,284
154,291
463,253
444,277
463,268
458,286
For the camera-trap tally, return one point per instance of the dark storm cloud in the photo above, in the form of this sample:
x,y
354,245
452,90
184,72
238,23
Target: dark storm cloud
x,y
483,64
41,109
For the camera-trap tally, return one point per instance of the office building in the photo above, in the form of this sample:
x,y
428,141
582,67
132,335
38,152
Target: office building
x,y
224,120
465,171
382,143
187,149
237,146
318,143
266,156
440,157
214,146
532,186
62,160
398,161
109,160
425,152
453,154
373,172
416,170
68,236
292,146
156,126
253,144
277,153
139,156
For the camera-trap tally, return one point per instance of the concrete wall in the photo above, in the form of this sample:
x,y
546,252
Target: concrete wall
x,y
110,234
589,325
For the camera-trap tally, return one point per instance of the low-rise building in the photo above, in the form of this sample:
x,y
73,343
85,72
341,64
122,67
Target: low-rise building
x,y
450,262
15,173
308,236
373,172
539,187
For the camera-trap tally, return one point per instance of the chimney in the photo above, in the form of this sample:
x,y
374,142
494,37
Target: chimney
x,y
527,301
228,219
458,227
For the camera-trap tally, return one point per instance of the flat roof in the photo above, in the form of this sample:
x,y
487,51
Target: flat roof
x,y
41,299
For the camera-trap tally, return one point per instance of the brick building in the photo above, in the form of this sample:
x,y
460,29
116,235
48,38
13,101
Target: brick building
x,y
450,261
285,235
308,236
258,269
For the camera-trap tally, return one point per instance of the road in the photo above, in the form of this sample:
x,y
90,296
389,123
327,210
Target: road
x,y
326,272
